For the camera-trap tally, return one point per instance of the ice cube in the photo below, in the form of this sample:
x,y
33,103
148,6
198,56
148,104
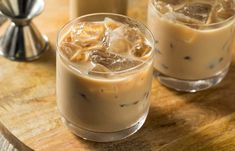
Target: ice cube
x,y
112,61
80,56
165,6
132,34
98,46
111,24
100,70
172,2
227,10
87,33
120,46
221,11
141,50
196,10
123,38
69,49
228,4
106,39
224,14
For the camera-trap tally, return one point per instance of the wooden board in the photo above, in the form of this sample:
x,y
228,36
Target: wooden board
x,y
203,121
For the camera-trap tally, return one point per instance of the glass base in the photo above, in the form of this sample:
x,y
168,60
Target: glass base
x,y
190,85
104,136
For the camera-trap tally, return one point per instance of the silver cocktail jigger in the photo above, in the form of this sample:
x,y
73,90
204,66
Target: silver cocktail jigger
x,y
22,41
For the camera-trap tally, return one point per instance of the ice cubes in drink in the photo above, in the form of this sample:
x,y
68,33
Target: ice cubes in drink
x,y
141,50
131,34
196,11
166,6
69,49
120,46
163,7
173,2
80,56
87,33
199,11
111,24
113,62
126,40
223,10
105,46
100,70
228,4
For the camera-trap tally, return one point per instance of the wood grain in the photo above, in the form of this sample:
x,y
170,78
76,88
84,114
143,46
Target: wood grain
x,y
203,121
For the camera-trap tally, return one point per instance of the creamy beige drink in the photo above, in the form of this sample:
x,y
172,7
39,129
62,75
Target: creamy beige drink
x,y
82,7
194,41
104,75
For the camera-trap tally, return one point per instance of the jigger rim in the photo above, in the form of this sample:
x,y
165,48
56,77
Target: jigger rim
x,y
30,15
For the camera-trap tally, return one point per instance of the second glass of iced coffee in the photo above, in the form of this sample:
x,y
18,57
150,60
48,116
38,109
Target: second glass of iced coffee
x,y
104,76
194,41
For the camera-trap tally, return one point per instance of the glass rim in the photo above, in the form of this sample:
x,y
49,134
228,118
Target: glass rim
x,y
71,22
194,24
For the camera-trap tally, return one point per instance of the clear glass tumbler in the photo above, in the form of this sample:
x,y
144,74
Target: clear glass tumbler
x,y
194,42
104,108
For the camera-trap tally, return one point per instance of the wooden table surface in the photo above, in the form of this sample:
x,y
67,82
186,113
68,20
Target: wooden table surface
x,y
203,121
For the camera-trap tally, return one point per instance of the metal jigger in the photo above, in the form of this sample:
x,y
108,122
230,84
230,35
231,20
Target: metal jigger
x,y
22,41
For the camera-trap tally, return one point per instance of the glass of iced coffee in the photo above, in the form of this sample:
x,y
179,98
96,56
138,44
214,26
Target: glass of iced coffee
x,y
194,40
104,76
